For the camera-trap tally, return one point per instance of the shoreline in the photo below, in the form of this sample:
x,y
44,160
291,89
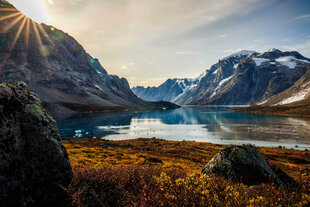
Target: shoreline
x,y
296,110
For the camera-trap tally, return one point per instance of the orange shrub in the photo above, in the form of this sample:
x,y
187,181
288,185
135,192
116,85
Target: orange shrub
x,y
156,186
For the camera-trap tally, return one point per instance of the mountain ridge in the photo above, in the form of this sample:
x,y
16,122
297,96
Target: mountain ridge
x,y
55,66
245,77
293,101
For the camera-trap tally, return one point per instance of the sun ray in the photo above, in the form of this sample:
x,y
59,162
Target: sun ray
x,y
45,35
36,31
5,29
11,24
21,27
8,9
15,14
27,36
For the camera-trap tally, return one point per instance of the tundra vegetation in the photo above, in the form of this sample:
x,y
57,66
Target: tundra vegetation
x,y
153,172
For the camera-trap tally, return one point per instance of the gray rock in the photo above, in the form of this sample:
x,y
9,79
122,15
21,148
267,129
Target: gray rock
x,y
245,164
34,165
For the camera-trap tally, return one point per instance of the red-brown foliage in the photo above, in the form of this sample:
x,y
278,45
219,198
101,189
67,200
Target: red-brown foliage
x,y
154,186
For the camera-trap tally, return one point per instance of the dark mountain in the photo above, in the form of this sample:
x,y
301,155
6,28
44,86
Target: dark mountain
x,y
186,91
298,93
243,78
293,101
214,79
55,66
171,90
248,79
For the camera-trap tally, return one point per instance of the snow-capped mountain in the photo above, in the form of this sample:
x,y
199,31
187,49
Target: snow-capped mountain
x,y
292,101
171,90
248,79
58,69
215,78
243,78
182,90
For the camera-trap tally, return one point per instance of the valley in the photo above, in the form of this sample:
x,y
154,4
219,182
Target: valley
x,y
157,133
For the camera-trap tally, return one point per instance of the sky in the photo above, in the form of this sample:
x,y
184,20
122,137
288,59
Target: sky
x,y
149,41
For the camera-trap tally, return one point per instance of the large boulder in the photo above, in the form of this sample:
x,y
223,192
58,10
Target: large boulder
x,y
245,164
34,165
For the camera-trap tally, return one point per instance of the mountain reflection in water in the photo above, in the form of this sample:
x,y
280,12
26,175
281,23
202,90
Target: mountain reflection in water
x,y
213,124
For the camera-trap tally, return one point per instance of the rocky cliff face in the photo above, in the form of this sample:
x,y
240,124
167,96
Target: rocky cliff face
x,y
34,165
171,90
256,78
215,79
186,91
57,68
242,78
298,93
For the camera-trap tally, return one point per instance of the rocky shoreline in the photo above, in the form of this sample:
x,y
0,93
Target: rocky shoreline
x,y
297,109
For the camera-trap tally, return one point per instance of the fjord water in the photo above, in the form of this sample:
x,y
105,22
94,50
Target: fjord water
x,y
213,124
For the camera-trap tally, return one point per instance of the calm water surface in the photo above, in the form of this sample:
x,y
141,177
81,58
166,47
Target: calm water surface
x,y
203,124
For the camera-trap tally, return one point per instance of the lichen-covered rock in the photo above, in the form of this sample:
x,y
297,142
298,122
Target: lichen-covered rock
x,y
34,165
245,164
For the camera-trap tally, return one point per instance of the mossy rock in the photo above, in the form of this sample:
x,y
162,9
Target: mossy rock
x,y
34,165
245,164
35,110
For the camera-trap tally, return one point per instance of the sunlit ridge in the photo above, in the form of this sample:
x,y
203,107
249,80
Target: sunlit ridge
x,y
9,19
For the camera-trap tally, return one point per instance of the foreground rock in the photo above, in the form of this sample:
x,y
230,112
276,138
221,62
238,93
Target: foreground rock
x,y
34,166
245,164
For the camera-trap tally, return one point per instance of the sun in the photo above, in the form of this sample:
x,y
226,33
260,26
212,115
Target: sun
x,y
34,10
15,25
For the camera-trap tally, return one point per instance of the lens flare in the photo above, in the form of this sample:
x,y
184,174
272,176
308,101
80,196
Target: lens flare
x,y
13,26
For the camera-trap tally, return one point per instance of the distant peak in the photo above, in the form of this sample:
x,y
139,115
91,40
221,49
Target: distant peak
x,y
274,50
240,53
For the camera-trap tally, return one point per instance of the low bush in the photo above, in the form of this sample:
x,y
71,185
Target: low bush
x,y
155,186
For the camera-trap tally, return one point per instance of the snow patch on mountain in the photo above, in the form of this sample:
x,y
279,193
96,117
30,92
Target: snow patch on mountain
x,y
215,72
273,50
224,81
287,61
186,86
201,76
290,61
298,97
263,102
240,53
259,61
220,85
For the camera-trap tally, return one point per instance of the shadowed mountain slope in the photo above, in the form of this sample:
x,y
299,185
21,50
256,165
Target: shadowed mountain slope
x,y
58,69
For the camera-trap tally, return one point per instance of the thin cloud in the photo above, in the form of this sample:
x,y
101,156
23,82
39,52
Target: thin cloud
x,y
224,35
51,1
306,16
187,53
300,47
